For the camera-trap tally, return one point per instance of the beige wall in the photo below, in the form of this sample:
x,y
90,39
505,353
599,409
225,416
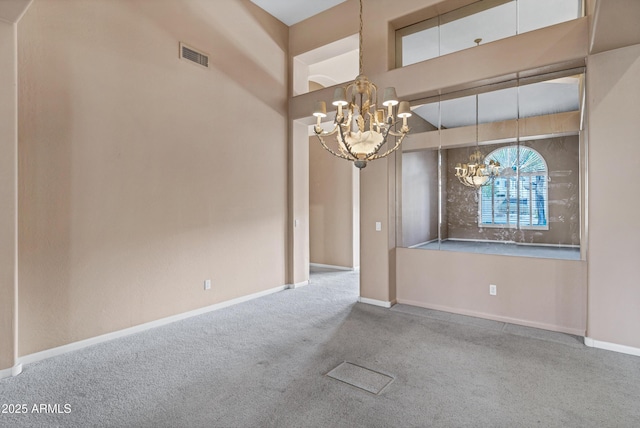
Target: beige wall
x,y
8,194
613,86
542,293
616,24
332,205
563,215
374,245
142,175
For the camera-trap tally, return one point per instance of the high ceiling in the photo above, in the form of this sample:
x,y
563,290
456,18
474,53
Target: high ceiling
x,y
293,11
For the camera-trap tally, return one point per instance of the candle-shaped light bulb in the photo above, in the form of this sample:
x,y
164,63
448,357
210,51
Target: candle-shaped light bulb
x,y
389,100
404,111
339,99
320,111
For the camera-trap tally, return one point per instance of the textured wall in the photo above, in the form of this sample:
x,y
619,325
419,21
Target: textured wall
x,y
142,175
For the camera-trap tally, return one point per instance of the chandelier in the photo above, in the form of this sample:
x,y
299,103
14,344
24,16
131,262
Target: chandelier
x,y
477,173
362,129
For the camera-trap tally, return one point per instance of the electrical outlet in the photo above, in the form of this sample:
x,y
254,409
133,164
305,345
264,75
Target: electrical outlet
x,y
378,226
493,289
207,284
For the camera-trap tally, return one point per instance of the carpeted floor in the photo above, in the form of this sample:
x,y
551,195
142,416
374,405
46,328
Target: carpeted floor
x,y
264,364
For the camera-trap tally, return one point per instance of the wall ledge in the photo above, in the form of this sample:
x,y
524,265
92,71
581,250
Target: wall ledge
x,y
53,352
623,349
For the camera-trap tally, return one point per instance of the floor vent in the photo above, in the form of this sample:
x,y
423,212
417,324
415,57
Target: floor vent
x,y
194,55
361,377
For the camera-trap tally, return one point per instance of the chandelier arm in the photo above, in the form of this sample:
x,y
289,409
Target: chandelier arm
x,y
399,134
326,133
324,145
391,150
373,156
379,146
345,144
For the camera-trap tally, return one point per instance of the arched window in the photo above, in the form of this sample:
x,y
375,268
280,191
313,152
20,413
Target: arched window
x,y
518,198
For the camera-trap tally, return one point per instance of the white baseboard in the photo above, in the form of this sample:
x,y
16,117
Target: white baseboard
x,y
623,349
16,370
13,371
375,302
297,285
334,267
48,353
499,318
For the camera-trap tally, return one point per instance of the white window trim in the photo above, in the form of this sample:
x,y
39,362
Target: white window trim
x,y
517,225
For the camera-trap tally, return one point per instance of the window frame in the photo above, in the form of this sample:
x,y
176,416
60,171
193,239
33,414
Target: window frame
x,y
517,225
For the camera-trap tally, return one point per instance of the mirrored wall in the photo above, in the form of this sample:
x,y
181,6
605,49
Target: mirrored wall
x,y
494,19
531,207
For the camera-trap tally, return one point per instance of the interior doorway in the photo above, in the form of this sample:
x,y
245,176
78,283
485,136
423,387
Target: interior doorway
x,y
334,210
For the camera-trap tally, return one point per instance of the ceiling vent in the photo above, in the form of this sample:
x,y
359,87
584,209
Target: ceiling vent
x,y
194,55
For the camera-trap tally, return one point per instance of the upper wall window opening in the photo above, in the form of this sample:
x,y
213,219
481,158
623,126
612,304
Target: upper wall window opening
x,y
489,20
328,65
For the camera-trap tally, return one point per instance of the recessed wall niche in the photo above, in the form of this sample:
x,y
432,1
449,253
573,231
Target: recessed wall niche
x,y
533,208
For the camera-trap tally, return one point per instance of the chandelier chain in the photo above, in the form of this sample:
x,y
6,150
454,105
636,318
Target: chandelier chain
x,y
362,128
477,173
360,39
477,124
